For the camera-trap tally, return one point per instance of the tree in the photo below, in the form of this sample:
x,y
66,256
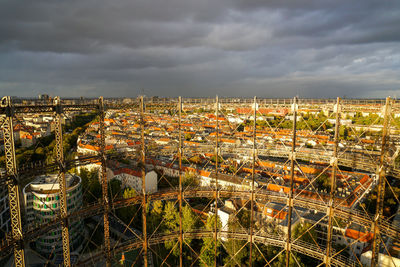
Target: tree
x,y
155,215
220,159
294,260
90,182
189,179
305,232
195,159
189,222
114,188
171,225
189,219
323,182
188,137
129,193
208,249
236,252
343,132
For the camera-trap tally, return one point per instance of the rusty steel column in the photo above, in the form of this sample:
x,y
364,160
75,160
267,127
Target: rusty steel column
x,y
180,183
252,184
143,161
332,193
104,185
290,198
12,183
61,180
381,173
216,180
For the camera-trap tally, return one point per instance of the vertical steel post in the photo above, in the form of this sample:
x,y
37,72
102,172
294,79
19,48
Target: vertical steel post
x,y
61,180
381,172
104,185
180,183
216,180
252,184
12,183
332,193
290,199
144,204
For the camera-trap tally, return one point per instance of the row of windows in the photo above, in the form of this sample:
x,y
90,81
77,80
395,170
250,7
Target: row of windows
x,y
43,199
74,191
50,248
51,198
53,205
44,213
58,246
74,229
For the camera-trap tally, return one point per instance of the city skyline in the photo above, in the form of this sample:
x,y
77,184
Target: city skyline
x,y
200,48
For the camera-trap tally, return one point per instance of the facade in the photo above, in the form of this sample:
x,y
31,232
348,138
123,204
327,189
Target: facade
x,y
133,179
42,204
383,260
5,223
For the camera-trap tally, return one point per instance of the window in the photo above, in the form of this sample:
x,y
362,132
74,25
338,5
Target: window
x,y
54,205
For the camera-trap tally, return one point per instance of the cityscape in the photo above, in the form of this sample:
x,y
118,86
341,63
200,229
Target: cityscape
x,y
187,133
152,181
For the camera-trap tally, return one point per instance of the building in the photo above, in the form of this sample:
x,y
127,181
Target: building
x,y
383,260
43,97
42,204
5,223
133,179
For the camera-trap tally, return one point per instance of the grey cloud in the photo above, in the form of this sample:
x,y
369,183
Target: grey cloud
x,y
200,48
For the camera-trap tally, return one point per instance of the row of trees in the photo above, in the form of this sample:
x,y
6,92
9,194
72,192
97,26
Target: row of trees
x,y
163,217
306,122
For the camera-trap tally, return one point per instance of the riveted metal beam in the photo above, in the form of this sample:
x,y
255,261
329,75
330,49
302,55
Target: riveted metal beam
x,y
216,179
252,184
292,162
180,182
143,169
332,192
104,184
381,173
12,182
61,180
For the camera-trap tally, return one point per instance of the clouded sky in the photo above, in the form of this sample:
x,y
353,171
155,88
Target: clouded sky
x,y
268,48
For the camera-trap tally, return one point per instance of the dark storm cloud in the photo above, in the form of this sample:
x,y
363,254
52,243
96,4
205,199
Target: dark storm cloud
x,y
200,48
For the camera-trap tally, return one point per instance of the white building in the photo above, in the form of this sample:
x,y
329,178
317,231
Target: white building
x,y
358,240
133,179
227,181
42,204
383,260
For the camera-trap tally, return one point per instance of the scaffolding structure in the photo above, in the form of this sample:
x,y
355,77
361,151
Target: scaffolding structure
x,y
380,164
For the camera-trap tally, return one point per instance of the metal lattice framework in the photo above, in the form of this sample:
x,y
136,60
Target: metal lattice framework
x,y
380,163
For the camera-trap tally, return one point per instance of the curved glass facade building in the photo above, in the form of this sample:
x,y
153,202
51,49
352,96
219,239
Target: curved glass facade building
x,y
42,204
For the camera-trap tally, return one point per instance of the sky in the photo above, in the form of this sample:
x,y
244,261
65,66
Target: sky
x,y
200,48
